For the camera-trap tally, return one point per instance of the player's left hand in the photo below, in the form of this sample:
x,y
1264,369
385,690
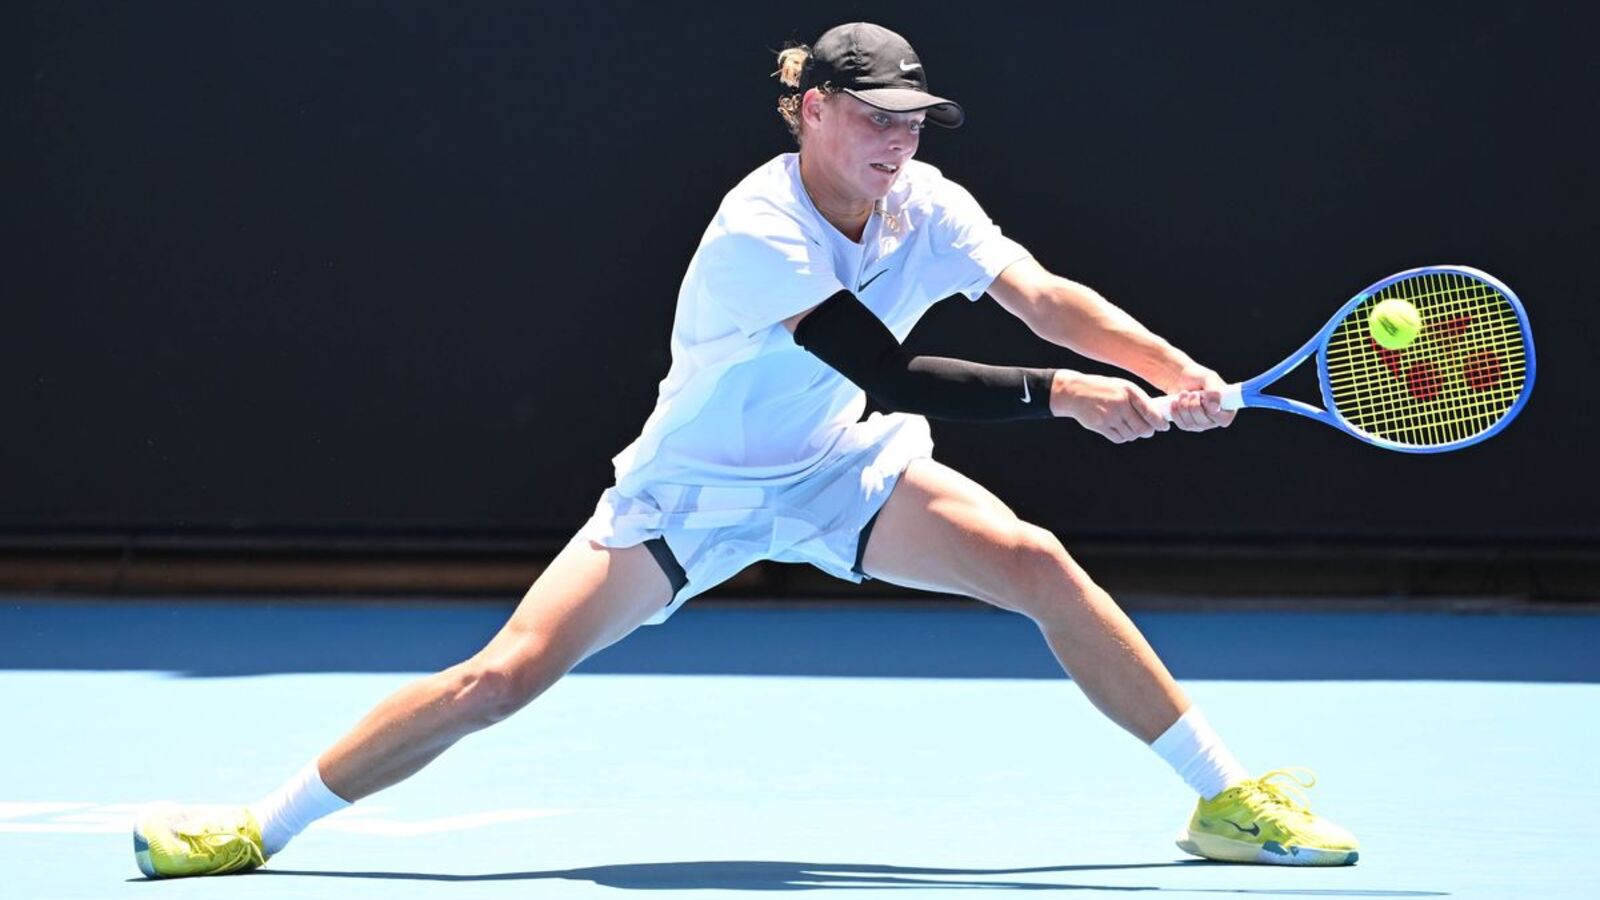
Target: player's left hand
x,y
1199,403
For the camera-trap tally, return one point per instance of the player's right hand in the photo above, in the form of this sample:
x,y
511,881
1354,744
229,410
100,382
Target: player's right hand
x,y
1114,408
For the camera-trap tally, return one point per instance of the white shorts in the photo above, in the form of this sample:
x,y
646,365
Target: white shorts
x,y
715,531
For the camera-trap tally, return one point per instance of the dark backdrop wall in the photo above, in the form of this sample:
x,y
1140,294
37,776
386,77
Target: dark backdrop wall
x,y
411,267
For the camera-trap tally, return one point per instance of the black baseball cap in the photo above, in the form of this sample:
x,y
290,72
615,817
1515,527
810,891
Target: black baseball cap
x,y
879,68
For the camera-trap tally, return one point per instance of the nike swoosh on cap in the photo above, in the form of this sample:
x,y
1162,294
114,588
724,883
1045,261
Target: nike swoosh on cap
x,y
911,68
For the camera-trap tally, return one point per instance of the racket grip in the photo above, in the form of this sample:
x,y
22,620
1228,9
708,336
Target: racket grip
x,y
1232,399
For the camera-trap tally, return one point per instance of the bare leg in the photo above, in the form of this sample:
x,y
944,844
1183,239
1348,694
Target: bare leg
x,y
943,532
589,598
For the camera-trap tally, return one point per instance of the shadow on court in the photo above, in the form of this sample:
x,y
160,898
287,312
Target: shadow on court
x,y
207,638
761,875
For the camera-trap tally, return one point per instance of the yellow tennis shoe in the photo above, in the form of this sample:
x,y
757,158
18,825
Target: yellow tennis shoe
x,y
171,841
1266,820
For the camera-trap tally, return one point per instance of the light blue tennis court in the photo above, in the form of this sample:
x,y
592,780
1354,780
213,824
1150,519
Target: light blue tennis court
x,y
913,748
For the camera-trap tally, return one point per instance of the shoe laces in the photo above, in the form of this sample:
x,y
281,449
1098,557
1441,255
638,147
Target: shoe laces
x,y
214,840
1284,791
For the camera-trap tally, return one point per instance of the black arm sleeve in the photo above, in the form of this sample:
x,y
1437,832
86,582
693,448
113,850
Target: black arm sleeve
x,y
846,335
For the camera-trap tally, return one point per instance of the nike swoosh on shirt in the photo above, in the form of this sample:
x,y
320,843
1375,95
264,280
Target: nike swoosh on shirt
x,y
869,281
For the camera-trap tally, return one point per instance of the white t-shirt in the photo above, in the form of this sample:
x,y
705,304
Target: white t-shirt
x,y
742,402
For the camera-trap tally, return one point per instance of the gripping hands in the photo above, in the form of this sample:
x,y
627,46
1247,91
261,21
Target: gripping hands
x,y
1121,411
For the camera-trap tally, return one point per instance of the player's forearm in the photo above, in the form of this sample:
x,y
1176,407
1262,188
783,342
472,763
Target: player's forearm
x,y
843,333
1080,319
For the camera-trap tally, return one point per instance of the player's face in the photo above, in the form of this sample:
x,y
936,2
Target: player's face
x,y
864,147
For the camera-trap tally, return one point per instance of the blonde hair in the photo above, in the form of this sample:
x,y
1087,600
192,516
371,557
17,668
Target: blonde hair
x,y
791,64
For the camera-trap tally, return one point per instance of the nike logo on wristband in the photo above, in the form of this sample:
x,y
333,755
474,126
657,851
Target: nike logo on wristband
x,y
869,281
1027,397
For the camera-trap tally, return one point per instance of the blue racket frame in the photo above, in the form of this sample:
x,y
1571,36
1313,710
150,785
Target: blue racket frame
x,y
1250,392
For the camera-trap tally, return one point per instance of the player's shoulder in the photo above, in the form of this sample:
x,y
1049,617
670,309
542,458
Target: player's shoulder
x,y
928,188
921,175
763,217
768,197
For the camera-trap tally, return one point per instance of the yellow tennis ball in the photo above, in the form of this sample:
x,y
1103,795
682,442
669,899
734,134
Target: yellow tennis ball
x,y
1394,324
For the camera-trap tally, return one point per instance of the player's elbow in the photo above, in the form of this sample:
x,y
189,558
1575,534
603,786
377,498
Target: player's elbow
x,y
890,401
894,392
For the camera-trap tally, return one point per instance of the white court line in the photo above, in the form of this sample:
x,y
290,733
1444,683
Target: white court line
x,y
114,818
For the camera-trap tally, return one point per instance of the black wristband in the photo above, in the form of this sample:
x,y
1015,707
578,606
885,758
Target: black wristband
x,y
846,335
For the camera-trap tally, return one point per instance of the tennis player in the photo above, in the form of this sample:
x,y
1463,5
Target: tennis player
x,y
816,266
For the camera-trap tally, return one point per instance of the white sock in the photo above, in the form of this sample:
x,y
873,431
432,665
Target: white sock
x,y
287,811
1199,757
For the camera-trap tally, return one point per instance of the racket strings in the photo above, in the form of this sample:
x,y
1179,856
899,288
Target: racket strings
x,y
1427,394
1462,374
1439,393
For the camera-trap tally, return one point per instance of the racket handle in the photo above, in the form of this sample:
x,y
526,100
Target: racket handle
x,y
1232,399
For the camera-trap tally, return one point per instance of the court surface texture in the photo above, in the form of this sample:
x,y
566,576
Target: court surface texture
x,y
881,750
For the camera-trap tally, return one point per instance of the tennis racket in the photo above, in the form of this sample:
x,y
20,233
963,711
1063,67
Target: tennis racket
x,y
1465,376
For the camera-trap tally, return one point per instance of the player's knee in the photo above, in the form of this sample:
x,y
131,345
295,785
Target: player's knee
x,y
492,690
1041,568
485,694
1042,552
